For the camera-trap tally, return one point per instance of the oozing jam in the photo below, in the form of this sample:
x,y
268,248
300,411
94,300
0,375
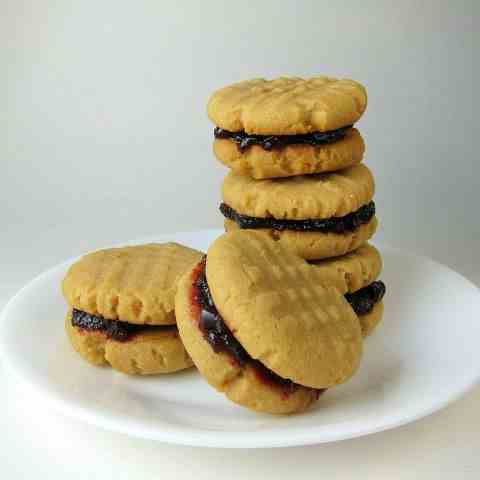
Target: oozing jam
x,y
269,142
213,327
363,300
221,339
348,223
113,329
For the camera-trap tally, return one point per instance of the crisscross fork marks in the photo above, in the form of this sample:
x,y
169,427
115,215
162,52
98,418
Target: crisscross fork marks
x,y
135,284
319,196
306,293
288,105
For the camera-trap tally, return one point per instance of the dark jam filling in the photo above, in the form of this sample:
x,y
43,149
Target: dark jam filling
x,y
348,223
221,339
269,142
113,329
213,327
362,301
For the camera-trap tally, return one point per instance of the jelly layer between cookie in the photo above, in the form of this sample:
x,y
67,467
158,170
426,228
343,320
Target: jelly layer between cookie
x,y
113,329
269,142
348,223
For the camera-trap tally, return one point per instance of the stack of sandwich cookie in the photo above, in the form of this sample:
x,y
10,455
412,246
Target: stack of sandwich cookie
x,y
297,177
295,160
121,307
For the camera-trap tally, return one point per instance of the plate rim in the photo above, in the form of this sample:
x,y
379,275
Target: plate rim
x,y
181,435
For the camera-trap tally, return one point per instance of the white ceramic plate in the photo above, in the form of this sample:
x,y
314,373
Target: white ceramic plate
x,y
424,355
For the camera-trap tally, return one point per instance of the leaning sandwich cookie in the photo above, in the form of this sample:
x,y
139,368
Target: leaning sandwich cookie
x,y
288,126
265,327
316,216
121,307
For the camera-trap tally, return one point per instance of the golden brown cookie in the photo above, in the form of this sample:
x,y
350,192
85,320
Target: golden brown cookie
x,y
134,284
284,312
304,197
287,106
273,312
356,269
291,160
358,272
318,245
153,350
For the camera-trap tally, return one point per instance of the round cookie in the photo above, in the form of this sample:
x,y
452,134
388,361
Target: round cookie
x,y
291,160
288,106
155,350
284,312
304,197
318,245
134,284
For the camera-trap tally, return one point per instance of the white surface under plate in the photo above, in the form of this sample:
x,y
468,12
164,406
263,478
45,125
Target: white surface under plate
x,y
424,355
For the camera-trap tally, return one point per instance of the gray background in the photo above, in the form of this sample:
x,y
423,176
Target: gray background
x,y
104,138
103,111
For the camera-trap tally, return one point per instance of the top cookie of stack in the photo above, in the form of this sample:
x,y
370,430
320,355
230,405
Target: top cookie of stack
x,y
288,126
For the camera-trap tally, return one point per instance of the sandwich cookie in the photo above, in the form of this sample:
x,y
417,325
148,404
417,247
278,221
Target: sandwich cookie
x,y
288,126
121,307
358,272
316,216
265,327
